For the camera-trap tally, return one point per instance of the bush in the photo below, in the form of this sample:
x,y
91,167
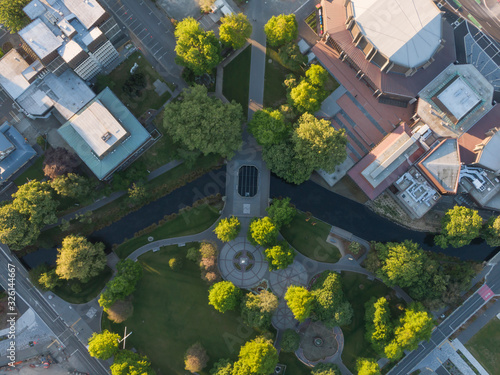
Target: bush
x,y
120,311
355,247
193,254
196,358
290,341
175,264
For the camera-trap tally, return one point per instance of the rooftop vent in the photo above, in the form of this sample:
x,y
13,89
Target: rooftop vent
x,y
106,137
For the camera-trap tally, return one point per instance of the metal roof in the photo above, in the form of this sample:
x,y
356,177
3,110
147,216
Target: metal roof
x,y
40,38
12,66
87,11
17,158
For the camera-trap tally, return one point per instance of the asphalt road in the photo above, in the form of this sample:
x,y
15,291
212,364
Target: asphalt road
x,y
30,295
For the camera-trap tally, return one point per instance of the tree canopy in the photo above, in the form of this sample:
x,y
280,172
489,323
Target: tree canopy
x,y
103,345
123,284
235,30
367,366
15,228
491,231
281,29
308,95
459,227
291,57
130,363
257,357
378,324
72,185
257,309
35,201
326,369
80,259
196,49
196,358
228,229
222,367
200,122
281,212
300,301
268,127
280,256
59,161
224,296
262,232
12,15
290,341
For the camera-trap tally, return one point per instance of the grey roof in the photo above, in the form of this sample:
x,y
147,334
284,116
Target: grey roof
x,y
102,168
442,165
87,11
5,144
40,38
34,9
488,156
20,156
12,66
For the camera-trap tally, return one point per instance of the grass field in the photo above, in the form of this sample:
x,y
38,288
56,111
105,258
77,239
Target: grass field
x,y
148,98
171,313
355,345
274,91
237,79
485,346
34,172
293,365
89,290
310,239
189,222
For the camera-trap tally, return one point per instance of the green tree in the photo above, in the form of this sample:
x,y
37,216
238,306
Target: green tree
x,y
130,363
281,29
280,256
196,49
268,127
290,341
367,366
35,201
355,247
300,301
49,280
128,275
16,230
222,367
459,227
103,345
326,369
196,358
72,185
12,15
330,307
306,97
224,296
281,212
491,231
291,57
228,229
378,325
257,357
200,122
137,193
262,232
257,309
235,30
319,143
317,75
80,259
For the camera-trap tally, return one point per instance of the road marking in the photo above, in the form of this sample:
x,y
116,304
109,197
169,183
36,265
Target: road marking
x,y
301,6
157,51
485,292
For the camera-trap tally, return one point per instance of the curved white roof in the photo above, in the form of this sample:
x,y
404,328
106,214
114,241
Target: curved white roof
x,y
408,32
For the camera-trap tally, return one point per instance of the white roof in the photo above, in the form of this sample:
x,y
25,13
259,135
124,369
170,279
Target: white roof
x,y
12,66
93,123
488,156
34,9
87,11
459,98
40,38
69,50
408,32
91,36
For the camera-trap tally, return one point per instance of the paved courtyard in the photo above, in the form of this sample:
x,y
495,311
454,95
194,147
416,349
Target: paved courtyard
x,y
295,274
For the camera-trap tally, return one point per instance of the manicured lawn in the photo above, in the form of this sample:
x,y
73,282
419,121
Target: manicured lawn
x,y
171,313
189,222
89,290
309,238
485,346
355,345
34,172
274,91
148,98
160,153
293,365
237,79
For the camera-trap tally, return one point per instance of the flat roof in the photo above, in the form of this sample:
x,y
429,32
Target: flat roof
x,y
34,9
97,126
17,158
91,35
408,32
489,156
87,11
40,38
459,98
5,144
69,50
12,66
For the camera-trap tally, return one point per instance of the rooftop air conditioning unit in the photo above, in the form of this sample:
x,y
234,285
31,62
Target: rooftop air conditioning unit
x,y
106,137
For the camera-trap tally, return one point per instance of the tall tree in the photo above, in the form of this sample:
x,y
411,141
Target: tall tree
x,y
281,29
224,296
35,200
378,323
80,259
491,231
103,345
317,75
326,369
15,228
228,229
196,358
196,49
257,357
330,306
367,366
257,309
300,301
280,256
12,15
319,143
222,367
128,275
130,363
59,161
291,57
268,127
262,232
235,30
306,97
290,341
459,227
199,122
281,212
72,185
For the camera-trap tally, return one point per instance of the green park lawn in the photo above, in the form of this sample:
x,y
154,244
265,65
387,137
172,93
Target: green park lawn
x,y
171,313
293,365
89,290
33,172
193,221
237,79
274,91
485,346
355,345
310,240
148,99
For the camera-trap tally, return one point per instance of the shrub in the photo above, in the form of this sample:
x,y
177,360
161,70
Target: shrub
x,y
355,247
120,311
175,264
196,358
290,341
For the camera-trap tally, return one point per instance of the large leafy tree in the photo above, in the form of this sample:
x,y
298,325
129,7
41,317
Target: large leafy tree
x,y
224,296
12,15
199,122
290,341
317,75
291,56
128,275
257,357
196,358
300,301
367,366
257,309
130,363
280,256
491,231
15,228
222,367
72,185
103,345
268,127
235,30
35,200
281,212
319,143
281,29
330,306
262,232
196,49
80,259
59,161
326,369
459,227
306,97
378,323
228,229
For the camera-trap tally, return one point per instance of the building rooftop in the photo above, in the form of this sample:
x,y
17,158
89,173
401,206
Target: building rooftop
x,y
482,185
16,159
458,99
34,9
104,167
5,144
40,38
408,32
442,166
69,50
12,66
488,155
87,11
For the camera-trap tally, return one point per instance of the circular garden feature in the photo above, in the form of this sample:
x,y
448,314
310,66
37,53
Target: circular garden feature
x,y
318,342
